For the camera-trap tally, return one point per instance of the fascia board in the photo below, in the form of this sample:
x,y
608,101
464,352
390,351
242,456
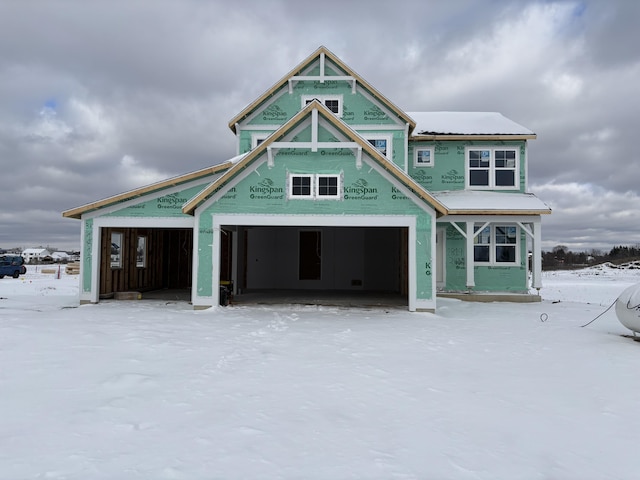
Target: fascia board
x,y
442,137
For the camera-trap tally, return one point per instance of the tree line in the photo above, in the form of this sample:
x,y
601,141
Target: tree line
x,y
561,257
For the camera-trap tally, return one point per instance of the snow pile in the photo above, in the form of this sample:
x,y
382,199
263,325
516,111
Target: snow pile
x,y
634,265
146,389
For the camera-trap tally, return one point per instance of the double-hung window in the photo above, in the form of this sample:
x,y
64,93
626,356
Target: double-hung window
x,y
314,186
492,167
332,102
496,245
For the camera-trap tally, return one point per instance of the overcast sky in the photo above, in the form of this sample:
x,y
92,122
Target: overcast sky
x,y
100,97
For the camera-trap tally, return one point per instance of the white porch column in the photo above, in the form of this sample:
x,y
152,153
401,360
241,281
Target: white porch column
x,y
215,265
536,273
235,234
95,263
471,281
194,260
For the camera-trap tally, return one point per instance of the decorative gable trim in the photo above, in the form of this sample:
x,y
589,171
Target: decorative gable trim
x,y
322,55
314,110
322,77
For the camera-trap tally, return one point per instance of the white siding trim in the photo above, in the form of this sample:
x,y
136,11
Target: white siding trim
x,y
380,127
195,259
95,263
145,222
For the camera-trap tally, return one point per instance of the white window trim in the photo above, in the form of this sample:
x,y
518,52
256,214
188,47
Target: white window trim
x,y
431,155
315,186
323,98
255,137
381,136
290,194
338,194
492,168
492,246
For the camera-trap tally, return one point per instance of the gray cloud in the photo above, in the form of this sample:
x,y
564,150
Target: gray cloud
x,y
100,97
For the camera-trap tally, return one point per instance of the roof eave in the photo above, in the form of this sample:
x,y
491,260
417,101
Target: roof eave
x,y
499,212
456,136
131,194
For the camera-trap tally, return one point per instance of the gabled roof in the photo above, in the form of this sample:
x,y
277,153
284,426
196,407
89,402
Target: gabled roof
x,y
138,192
448,124
339,125
299,69
35,251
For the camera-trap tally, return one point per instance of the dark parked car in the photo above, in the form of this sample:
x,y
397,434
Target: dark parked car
x,y
12,265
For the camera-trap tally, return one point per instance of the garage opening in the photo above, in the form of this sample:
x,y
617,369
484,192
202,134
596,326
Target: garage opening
x,y
156,262
326,265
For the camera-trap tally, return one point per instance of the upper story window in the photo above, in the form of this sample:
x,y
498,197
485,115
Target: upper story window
x,y
381,142
328,186
496,245
314,186
492,167
423,156
332,102
258,138
300,186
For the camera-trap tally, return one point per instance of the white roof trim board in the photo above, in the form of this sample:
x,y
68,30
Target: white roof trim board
x,y
468,200
465,123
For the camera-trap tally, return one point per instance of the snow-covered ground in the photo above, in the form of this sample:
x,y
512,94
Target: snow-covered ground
x,y
150,390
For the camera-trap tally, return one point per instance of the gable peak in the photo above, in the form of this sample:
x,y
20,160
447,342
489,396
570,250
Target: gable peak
x,y
323,57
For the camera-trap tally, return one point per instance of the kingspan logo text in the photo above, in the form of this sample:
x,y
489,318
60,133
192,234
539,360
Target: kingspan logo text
x,y
170,201
359,190
265,190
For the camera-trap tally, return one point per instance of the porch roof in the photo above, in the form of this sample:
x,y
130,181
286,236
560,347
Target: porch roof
x,y
468,202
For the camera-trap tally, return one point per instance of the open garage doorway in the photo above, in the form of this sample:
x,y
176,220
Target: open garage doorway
x,y
155,262
331,265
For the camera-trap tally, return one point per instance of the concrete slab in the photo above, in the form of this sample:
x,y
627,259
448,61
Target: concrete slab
x,y
492,297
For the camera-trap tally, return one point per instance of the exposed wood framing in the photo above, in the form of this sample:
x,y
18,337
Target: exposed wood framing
x,y
168,260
